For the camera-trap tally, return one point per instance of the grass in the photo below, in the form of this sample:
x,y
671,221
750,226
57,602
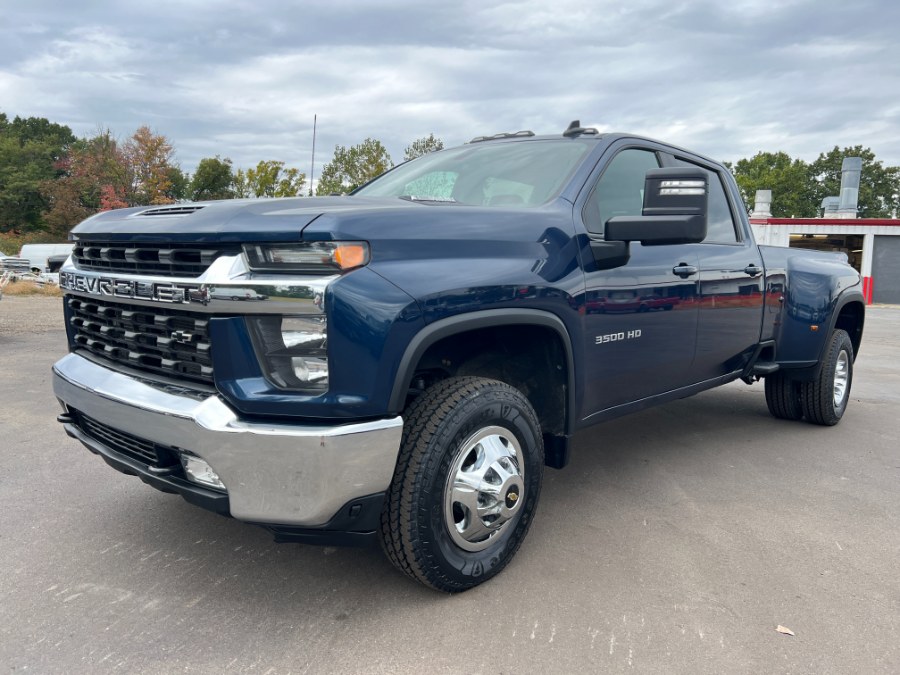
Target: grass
x,y
31,288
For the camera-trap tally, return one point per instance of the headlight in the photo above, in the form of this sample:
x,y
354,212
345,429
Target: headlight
x,y
292,350
314,257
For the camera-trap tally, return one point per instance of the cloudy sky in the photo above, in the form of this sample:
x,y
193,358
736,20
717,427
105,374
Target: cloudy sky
x,y
243,79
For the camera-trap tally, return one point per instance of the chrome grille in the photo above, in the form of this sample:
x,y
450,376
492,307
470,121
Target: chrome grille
x,y
122,442
168,260
158,340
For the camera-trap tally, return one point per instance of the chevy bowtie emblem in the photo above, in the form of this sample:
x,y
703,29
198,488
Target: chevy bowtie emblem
x,y
182,337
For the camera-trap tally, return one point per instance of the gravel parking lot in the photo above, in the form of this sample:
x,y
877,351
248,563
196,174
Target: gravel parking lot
x,y
676,542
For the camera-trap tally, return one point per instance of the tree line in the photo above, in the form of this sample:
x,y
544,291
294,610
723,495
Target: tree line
x,y
798,187
50,180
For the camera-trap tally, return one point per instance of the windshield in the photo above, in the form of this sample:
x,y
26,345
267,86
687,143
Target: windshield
x,y
513,174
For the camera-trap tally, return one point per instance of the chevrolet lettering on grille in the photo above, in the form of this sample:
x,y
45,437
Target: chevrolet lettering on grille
x,y
128,288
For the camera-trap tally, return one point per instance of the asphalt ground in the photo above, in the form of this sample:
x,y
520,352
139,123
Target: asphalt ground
x,y
677,541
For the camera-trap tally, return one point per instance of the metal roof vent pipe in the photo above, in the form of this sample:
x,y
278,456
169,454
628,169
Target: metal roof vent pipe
x,y
762,204
830,207
851,168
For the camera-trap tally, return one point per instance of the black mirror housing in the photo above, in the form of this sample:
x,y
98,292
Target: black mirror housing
x,y
609,255
674,210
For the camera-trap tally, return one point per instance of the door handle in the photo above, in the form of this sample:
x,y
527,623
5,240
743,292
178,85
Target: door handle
x,y
684,270
753,270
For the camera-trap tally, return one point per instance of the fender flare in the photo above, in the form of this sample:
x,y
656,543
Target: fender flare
x,y
853,294
462,323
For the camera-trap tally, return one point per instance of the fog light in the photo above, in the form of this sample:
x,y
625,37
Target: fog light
x,y
310,369
198,471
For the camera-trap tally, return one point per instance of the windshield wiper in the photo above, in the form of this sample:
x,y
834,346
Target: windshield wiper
x,y
417,198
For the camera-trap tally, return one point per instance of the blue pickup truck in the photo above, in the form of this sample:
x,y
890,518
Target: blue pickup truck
x,y
415,353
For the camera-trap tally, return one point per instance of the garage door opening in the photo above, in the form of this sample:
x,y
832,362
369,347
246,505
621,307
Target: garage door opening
x,y
851,244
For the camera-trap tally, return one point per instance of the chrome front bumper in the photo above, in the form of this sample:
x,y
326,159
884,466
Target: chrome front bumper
x,y
277,473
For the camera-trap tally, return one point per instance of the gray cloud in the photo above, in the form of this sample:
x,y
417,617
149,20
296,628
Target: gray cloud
x,y
244,79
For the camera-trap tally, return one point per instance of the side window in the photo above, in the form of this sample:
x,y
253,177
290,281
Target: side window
x,y
620,190
720,221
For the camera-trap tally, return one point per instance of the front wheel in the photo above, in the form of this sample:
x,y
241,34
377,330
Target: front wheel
x,y
824,399
466,485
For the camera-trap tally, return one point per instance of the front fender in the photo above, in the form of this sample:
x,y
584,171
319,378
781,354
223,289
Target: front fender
x,y
462,323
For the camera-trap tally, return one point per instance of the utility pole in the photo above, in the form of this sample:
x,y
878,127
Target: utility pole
x,y
312,166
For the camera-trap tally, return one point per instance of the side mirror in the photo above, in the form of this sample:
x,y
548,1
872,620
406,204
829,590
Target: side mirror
x,y
609,255
674,210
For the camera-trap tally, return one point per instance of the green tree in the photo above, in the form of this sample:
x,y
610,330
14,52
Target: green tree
x,y
422,146
212,180
352,167
878,185
789,180
30,151
240,185
179,183
290,183
270,179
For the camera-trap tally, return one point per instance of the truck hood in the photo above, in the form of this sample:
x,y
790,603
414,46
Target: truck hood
x,y
239,220
313,218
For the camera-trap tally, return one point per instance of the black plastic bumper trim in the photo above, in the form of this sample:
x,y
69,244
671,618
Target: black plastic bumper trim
x,y
208,499
355,524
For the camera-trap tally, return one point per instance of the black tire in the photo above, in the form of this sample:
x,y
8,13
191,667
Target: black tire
x,y
783,397
825,399
438,434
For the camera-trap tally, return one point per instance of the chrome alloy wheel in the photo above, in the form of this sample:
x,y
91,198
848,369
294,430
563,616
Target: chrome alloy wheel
x,y
841,378
485,488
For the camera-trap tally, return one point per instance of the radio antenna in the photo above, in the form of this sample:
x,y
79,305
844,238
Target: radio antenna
x,y
312,166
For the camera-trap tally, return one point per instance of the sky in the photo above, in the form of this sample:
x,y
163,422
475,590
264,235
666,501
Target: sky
x,y
243,80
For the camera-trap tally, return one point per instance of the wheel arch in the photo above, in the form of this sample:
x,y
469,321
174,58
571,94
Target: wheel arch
x,y
849,315
530,327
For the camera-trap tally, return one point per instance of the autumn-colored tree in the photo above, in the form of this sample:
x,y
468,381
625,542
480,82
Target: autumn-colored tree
x,y
150,160
95,177
112,198
422,146
352,167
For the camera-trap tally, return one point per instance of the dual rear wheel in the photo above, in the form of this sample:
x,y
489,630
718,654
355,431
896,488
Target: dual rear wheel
x,y
821,400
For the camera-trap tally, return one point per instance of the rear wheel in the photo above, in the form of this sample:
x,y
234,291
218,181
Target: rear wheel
x,y
824,399
466,485
783,397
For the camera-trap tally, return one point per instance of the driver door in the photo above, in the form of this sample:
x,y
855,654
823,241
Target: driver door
x,y
640,319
